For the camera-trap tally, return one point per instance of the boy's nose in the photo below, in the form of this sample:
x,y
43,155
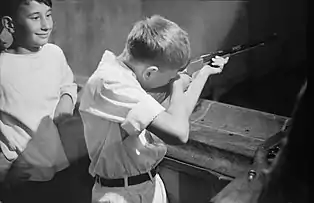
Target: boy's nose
x,y
46,24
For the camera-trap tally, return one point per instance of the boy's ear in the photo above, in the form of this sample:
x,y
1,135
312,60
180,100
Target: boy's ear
x,y
148,72
7,23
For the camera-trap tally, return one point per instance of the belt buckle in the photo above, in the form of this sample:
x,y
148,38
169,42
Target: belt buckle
x,y
150,175
97,179
126,181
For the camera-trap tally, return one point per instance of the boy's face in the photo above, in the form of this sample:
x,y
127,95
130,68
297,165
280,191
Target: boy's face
x,y
33,24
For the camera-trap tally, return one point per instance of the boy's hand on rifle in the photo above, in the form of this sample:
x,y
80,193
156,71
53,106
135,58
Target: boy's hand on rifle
x,y
217,64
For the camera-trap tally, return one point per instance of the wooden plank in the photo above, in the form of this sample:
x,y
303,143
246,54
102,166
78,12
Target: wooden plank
x,y
217,151
239,120
224,137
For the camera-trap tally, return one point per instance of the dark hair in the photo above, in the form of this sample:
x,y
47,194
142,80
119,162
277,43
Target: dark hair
x,y
10,7
159,42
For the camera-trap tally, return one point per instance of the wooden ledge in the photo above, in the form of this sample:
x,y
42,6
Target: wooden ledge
x,y
224,137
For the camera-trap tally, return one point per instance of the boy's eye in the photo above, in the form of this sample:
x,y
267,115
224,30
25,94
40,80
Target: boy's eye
x,y
35,17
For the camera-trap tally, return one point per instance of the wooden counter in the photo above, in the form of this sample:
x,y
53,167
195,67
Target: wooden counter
x,y
224,137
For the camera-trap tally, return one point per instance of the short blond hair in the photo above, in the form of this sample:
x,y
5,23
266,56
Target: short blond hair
x,y
159,41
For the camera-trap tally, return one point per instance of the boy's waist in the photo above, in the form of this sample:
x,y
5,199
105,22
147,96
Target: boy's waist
x,y
122,168
119,161
128,180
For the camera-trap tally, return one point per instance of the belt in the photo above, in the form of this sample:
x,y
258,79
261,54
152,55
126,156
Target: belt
x,y
122,182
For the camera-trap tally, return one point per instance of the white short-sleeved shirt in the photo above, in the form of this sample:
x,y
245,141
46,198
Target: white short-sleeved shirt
x,y
115,110
30,88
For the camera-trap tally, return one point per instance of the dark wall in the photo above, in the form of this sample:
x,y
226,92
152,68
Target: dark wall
x,y
275,72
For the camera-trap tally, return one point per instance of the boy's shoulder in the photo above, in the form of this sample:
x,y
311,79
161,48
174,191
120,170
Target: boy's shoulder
x,y
108,57
53,48
112,71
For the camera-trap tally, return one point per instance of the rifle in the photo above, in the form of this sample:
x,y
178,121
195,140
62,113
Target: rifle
x,y
195,64
198,62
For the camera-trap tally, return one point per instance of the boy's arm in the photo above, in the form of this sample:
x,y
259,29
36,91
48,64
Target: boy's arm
x,y
117,98
68,92
172,125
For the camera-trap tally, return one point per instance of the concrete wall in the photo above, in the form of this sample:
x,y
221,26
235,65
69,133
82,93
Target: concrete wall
x,y
85,28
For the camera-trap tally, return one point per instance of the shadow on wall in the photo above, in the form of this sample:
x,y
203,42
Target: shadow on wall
x,y
275,72
275,92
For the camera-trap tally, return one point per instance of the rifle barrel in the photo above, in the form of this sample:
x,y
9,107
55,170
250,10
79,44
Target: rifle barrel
x,y
235,50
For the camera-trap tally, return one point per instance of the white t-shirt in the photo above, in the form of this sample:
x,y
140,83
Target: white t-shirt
x,y
30,88
115,110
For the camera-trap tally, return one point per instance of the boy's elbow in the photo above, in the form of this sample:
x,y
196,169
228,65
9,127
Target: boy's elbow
x,y
171,132
184,139
183,135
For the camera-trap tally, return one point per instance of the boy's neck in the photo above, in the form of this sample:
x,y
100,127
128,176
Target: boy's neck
x,y
17,49
131,64
136,67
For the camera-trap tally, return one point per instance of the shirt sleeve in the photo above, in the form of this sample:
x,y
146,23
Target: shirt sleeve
x,y
127,104
67,81
141,115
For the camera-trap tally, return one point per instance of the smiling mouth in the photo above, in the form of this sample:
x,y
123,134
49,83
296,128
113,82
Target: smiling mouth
x,y
43,35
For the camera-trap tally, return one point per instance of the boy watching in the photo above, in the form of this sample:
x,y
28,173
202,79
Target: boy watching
x,y
126,128
36,88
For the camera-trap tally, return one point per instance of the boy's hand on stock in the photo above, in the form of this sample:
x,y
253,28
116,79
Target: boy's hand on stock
x,y
182,82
